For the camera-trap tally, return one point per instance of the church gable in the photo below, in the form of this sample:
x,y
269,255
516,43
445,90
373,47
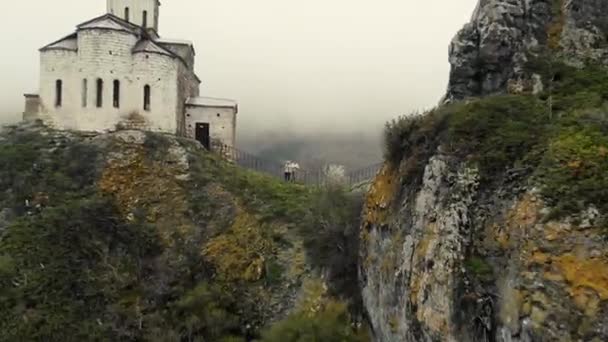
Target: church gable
x,y
69,43
151,47
110,22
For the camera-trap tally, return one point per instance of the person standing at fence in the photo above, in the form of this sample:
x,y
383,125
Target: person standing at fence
x,y
294,168
288,171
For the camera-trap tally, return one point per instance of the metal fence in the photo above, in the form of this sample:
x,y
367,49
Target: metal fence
x,y
364,174
276,169
249,161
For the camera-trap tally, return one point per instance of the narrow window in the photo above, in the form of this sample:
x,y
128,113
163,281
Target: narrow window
x,y
144,20
58,93
116,94
146,97
99,93
85,91
127,13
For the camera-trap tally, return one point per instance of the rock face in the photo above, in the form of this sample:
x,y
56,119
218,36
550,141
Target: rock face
x,y
489,55
423,278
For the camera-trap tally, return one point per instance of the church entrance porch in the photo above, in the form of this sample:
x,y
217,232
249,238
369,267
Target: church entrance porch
x,y
202,134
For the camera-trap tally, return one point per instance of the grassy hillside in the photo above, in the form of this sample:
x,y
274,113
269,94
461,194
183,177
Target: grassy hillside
x,y
135,236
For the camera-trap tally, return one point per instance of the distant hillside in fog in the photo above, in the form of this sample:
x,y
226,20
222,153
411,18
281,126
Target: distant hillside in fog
x,y
353,150
6,118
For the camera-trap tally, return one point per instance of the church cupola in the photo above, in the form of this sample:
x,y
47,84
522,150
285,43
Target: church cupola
x,y
140,12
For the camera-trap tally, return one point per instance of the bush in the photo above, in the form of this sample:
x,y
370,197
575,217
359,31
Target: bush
x,y
496,132
205,311
332,324
409,132
60,277
331,238
573,172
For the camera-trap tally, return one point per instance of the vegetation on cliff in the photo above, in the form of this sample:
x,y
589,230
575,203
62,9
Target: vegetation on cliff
x,y
134,236
558,136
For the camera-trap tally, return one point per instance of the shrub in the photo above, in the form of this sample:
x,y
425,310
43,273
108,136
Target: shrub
x,y
573,173
61,279
498,131
331,324
331,237
205,311
409,132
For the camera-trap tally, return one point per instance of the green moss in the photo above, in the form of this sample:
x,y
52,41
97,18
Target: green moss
x,y
479,268
274,273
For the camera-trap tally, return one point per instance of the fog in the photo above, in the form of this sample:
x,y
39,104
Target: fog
x,y
301,66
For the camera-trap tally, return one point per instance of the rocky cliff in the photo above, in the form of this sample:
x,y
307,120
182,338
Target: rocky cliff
x,y
488,222
489,219
491,53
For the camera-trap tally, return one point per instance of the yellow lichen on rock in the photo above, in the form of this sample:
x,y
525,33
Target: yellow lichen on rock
x,y
526,212
381,195
539,258
139,183
240,253
556,27
523,216
583,273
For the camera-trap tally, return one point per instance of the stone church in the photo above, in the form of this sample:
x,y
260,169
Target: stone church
x,y
115,71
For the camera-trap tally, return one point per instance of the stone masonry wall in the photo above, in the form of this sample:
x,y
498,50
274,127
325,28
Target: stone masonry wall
x,y
107,55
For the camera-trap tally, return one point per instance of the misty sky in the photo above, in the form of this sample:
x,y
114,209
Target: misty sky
x,y
292,65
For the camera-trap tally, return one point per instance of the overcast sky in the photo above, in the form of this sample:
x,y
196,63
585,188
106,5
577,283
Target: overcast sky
x,y
298,65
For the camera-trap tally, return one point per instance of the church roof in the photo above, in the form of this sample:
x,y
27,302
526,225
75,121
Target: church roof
x,y
202,101
146,45
69,42
109,21
174,41
166,41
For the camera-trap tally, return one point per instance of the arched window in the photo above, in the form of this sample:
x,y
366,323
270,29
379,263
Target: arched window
x,y
99,101
116,94
146,97
85,90
58,93
127,13
144,20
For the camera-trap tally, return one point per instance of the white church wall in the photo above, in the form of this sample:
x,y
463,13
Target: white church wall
x,y
107,55
221,120
58,65
160,72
